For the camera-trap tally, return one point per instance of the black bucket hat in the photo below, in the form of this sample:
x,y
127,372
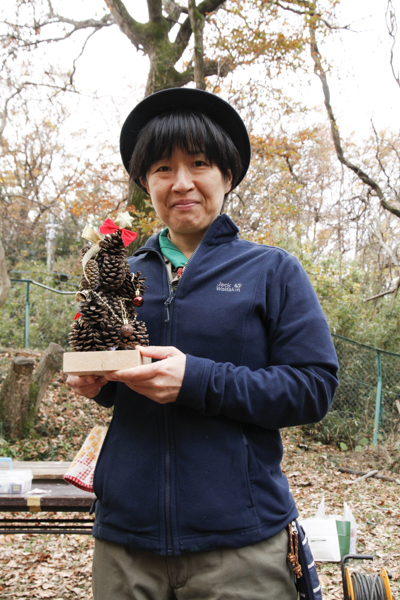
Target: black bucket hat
x,y
175,98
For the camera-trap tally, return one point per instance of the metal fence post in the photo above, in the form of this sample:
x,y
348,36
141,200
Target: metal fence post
x,y
378,402
26,324
46,287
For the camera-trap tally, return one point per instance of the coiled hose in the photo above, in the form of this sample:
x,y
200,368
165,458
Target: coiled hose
x,y
368,587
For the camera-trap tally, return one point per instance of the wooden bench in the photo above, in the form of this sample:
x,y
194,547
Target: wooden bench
x,y
57,496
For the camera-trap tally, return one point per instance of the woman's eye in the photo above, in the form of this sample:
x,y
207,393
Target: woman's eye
x,y
199,163
162,169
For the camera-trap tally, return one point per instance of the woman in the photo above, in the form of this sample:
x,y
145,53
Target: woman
x,y
192,502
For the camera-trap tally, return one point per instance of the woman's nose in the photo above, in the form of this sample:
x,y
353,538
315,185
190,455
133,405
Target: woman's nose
x,y
183,180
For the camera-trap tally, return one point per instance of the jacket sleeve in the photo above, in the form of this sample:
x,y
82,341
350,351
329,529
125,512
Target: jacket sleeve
x,y
299,380
106,396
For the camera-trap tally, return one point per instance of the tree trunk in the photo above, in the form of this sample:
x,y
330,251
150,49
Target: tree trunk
x,y
50,363
5,282
14,395
197,23
21,393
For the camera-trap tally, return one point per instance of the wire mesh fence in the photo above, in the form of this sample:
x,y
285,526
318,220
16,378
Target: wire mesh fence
x,y
366,406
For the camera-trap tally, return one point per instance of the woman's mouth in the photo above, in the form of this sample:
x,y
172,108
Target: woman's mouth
x,y
184,204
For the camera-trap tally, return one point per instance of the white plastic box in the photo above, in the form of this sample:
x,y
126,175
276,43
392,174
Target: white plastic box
x,y
14,482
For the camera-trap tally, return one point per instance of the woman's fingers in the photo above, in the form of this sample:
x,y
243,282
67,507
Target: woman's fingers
x,y
86,385
160,381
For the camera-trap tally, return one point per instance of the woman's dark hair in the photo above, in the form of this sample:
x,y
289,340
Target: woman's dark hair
x,y
193,133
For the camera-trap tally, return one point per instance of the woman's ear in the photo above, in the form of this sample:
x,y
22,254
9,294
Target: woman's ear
x,y
228,182
144,184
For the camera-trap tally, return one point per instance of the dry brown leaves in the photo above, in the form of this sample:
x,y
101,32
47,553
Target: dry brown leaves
x,y
59,566
46,566
313,475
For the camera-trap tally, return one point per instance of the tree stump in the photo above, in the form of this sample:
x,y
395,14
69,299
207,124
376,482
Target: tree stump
x,y
14,396
22,391
50,363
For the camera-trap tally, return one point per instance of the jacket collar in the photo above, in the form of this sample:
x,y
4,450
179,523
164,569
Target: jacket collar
x,y
221,231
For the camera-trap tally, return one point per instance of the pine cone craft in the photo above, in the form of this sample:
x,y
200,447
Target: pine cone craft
x,y
108,292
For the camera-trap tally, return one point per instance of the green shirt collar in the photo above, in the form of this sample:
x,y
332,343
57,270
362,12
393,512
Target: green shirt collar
x,y
170,251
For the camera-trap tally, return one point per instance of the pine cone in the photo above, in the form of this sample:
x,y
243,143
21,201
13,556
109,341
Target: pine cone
x,y
81,337
112,272
127,289
109,334
84,337
132,283
113,244
85,248
138,282
92,273
93,311
138,337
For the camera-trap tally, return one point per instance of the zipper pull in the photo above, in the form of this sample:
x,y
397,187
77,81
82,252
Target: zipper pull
x,y
167,304
166,313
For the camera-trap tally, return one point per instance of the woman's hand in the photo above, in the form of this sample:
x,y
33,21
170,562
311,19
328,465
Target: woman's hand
x,y
86,385
160,381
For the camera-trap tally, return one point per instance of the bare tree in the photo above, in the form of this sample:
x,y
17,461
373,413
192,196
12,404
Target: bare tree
x,y
151,38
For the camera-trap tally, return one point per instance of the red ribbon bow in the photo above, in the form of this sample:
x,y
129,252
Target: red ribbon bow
x,y
110,227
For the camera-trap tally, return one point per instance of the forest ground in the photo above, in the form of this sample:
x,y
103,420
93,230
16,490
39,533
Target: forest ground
x,y
59,566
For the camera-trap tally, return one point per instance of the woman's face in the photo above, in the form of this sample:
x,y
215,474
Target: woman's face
x,y
187,192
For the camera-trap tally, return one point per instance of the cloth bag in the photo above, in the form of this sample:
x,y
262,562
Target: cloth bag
x,y
80,472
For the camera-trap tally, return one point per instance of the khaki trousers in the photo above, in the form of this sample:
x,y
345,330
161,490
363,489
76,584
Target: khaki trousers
x,y
256,572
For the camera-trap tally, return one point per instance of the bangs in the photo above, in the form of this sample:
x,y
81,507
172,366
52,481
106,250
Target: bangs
x,y
191,132
186,131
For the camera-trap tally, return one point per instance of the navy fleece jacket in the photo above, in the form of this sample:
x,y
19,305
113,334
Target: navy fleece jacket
x,y
204,472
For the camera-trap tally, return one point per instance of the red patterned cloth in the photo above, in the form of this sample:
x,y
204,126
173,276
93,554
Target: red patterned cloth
x,y
81,470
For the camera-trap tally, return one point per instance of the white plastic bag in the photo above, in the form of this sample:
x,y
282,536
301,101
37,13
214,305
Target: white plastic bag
x,y
348,516
327,541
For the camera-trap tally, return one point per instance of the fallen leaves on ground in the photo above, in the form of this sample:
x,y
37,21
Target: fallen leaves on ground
x,y
58,567
313,475
46,566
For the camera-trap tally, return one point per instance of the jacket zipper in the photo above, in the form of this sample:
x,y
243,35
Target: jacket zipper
x,y
168,308
172,291
166,414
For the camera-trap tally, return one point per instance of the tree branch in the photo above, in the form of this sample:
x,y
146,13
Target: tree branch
x,y
391,23
211,67
136,32
391,291
381,165
71,77
383,244
308,8
320,72
106,21
182,39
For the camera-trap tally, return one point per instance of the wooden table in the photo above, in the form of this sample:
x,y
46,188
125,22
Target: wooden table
x,y
57,496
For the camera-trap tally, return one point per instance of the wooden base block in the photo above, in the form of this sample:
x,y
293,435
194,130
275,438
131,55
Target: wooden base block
x,y
98,363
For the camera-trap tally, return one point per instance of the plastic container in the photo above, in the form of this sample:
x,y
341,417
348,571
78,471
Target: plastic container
x,y
14,482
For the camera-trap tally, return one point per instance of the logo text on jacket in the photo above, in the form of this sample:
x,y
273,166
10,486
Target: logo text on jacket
x,y
228,287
